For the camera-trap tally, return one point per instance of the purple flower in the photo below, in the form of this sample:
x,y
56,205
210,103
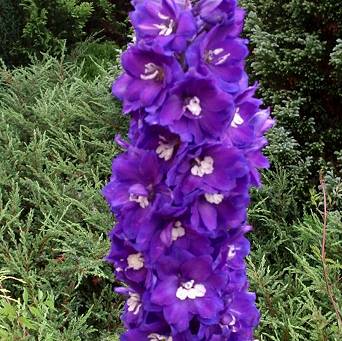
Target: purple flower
x,y
195,109
247,131
129,263
229,213
135,181
153,328
133,312
164,23
178,234
148,74
221,55
157,138
136,191
240,317
184,4
187,287
217,11
249,122
211,170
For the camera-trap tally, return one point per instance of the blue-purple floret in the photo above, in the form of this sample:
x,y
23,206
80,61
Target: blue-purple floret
x,y
180,190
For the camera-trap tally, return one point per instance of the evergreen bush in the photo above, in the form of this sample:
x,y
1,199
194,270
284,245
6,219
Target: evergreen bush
x,y
296,55
56,130
32,27
10,29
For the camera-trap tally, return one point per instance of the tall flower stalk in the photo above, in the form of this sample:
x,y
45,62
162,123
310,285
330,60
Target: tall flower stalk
x,y
180,191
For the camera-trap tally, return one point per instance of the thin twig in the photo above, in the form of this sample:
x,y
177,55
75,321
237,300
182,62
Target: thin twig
x,y
323,255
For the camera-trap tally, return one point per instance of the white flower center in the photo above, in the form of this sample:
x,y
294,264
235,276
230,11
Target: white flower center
x,y
206,166
151,71
232,324
190,290
214,198
194,106
135,261
237,120
134,303
165,150
158,337
140,199
214,56
166,28
232,251
178,231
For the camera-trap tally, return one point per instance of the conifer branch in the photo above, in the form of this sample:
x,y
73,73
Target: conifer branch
x,y
328,284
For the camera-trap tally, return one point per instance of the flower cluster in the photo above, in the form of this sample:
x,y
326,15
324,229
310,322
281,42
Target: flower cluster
x,y
180,191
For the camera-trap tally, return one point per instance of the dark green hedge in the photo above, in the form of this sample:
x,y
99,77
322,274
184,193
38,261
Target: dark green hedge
x,y
56,146
296,54
30,27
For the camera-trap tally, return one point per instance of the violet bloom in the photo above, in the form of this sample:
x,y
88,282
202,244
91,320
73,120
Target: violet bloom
x,y
240,317
184,4
249,122
236,248
164,23
221,55
136,191
237,321
211,170
133,311
148,74
153,328
178,235
129,264
217,11
247,130
188,286
195,109
227,213
159,139
136,176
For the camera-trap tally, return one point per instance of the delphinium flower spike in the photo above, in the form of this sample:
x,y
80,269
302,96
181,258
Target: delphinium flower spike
x,y
180,190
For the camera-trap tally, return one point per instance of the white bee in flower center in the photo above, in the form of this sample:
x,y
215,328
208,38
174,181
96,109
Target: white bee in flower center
x,y
194,106
190,290
232,251
237,120
232,324
213,56
165,150
204,167
135,261
140,199
178,231
167,27
152,71
134,303
214,198
158,337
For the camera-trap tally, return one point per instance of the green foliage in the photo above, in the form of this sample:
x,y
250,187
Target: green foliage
x,y
56,131
10,29
94,55
296,55
285,266
32,27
